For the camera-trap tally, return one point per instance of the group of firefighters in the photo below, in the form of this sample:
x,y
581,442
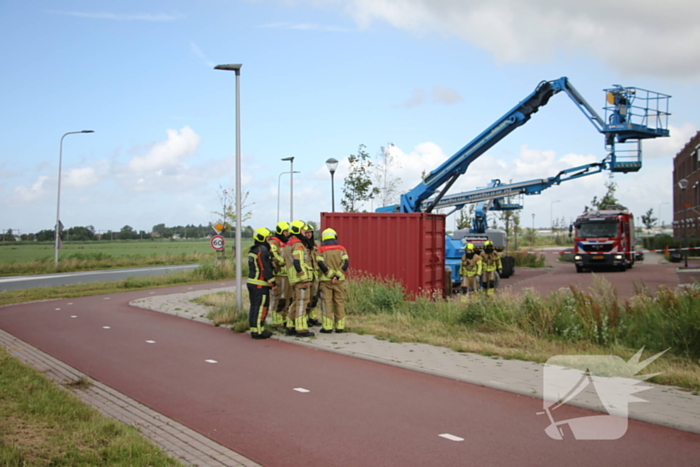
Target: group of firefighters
x,y
479,269
289,275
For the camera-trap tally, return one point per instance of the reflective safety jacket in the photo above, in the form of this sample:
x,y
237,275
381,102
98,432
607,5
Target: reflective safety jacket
x,y
298,261
276,249
471,267
332,260
491,261
260,266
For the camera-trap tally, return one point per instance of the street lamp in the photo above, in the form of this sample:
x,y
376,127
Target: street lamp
x,y
58,202
278,193
291,187
683,184
533,221
332,164
551,218
237,69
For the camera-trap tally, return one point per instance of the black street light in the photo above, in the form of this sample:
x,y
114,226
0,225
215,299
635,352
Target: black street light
x,y
58,202
683,184
332,164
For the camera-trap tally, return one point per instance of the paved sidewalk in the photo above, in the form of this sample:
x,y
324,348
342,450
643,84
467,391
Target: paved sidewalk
x,y
667,405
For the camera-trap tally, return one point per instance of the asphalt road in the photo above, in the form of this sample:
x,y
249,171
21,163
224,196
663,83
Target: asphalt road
x,y
281,404
68,278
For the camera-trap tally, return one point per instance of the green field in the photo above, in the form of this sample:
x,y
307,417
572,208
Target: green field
x,y
38,257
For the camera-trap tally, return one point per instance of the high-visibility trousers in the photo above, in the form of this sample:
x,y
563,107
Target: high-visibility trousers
x,y
259,297
471,282
279,298
332,305
296,314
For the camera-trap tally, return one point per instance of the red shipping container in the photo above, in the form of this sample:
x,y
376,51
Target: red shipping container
x,y
406,247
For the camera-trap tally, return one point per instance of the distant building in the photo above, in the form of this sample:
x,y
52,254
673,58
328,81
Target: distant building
x,y
686,202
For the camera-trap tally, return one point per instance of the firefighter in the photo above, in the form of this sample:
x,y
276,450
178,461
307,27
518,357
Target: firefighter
x,y
491,265
333,261
470,270
314,289
280,295
260,281
300,274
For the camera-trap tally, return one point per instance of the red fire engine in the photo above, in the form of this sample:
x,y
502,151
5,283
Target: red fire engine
x,y
604,239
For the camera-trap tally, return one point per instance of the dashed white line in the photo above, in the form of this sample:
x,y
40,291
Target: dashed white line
x,y
451,437
211,361
73,316
58,309
106,327
106,298
150,342
301,390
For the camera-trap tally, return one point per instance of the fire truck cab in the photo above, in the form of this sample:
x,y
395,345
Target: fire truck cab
x,y
604,240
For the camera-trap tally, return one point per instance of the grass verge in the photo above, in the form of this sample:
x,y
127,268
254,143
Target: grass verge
x,y
42,425
206,272
531,326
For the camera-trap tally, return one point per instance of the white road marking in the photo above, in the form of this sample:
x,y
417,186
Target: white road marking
x,y
211,361
106,327
150,342
451,437
58,309
301,390
70,303
73,316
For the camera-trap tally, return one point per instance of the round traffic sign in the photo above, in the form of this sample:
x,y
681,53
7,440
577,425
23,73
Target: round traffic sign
x,y
217,242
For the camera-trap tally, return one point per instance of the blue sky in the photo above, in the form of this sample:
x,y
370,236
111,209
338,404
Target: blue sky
x,y
319,78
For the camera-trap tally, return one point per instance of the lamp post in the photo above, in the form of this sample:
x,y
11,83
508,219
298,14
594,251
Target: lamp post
x,y
237,68
533,221
58,201
332,164
661,204
551,217
683,184
278,193
291,187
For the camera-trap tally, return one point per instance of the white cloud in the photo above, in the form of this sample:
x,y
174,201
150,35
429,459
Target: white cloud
x,y
195,49
306,27
35,191
167,154
668,147
440,95
81,178
633,37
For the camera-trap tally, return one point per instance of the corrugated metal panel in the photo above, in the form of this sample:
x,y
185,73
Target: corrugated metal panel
x,y
406,247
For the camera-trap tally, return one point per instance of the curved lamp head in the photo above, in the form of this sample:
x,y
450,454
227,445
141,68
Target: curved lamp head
x,y
683,184
332,164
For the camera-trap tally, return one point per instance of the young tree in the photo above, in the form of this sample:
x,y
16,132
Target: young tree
x,y
357,187
466,214
387,185
227,215
608,200
648,219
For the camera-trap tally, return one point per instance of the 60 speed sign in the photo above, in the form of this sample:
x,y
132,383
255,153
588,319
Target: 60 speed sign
x,y
217,242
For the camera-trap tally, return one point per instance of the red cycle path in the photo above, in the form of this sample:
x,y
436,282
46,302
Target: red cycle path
x,y
355,413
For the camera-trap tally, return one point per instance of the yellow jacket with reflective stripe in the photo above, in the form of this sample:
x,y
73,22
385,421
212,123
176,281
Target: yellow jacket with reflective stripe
x,y
297,251
334,257
471,267
491,261
260,266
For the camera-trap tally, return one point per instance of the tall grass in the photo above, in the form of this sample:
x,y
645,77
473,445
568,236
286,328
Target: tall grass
x,y
668,320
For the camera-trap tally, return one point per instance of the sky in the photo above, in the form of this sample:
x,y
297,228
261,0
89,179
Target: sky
x,y
319,78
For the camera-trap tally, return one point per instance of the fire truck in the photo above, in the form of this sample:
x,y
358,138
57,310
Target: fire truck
x,y
604,240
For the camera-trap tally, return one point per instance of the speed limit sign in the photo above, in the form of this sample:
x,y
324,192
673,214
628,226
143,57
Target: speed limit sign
x,y
217,242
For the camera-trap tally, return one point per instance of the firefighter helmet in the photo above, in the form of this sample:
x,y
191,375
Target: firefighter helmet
x,y
296,227
281,227
328,234
261,234
309,227
469,246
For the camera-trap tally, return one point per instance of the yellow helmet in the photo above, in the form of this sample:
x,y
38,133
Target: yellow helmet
x,y
328,234
261,234
470,246
296,227
487,243
309,227
281,227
